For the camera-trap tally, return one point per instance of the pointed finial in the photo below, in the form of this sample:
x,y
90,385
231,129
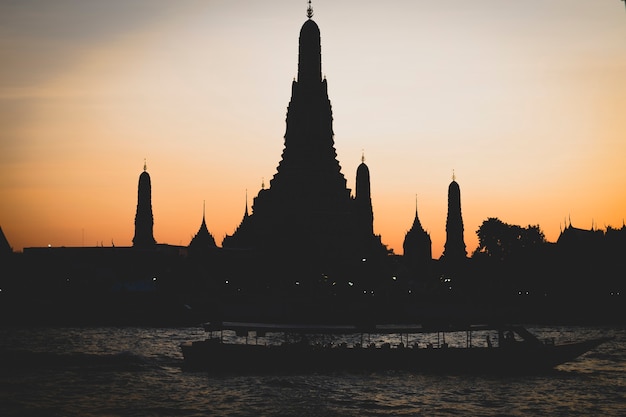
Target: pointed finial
x,y
453,176
246,213
262,183
145,166
362,155
309,10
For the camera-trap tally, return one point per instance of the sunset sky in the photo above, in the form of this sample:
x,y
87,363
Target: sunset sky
x,y
524,100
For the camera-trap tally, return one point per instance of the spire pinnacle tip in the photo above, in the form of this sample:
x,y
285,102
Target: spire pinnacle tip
x,y
309,10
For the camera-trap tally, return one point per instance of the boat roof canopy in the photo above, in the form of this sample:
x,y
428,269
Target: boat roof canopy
x,y
261,328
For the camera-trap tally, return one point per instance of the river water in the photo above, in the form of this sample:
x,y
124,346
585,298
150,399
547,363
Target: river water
x,y
132,371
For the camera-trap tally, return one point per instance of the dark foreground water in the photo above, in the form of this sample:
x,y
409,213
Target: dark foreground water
x,y
138,372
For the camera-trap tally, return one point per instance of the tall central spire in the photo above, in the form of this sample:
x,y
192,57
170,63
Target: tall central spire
x,y
310,52
309,158
306,220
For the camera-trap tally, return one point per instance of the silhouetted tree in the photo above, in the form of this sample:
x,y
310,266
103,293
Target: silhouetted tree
x,y
499,240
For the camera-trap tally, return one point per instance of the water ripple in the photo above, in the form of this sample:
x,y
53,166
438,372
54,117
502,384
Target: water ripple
x,y
137,372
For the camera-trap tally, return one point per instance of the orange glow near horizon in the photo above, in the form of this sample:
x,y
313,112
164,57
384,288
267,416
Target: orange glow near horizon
x,y
523,100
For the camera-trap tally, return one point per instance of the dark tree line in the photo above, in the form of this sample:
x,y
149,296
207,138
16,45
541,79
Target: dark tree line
x,y
502,241
582,274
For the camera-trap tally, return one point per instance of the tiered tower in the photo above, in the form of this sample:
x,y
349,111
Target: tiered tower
x,y
454,249
363,200
144,221
307,213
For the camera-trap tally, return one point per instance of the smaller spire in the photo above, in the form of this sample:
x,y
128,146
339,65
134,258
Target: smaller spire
x,y
262,183
362,155
145,166
309,10
453,175
246,213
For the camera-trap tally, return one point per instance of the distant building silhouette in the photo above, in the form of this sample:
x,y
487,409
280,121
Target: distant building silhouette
x,y
144,220
203,240
573,237
454,249
417,245
307,214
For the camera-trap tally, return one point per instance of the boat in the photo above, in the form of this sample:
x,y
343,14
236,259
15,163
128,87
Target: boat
x,y
268,347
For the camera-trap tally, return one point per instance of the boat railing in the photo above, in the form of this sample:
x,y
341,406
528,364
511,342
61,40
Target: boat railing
x,y
297,333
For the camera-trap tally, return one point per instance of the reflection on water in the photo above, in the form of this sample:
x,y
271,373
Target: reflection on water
x,y
137,372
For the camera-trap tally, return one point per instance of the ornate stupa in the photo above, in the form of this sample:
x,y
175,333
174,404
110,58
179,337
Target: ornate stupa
x,y
454,249
144,221
307,213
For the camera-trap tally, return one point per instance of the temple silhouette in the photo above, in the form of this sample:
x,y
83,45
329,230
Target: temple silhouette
x,y
307,215
306,248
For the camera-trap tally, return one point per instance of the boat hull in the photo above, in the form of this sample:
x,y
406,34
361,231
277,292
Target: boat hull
x,y
213,356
